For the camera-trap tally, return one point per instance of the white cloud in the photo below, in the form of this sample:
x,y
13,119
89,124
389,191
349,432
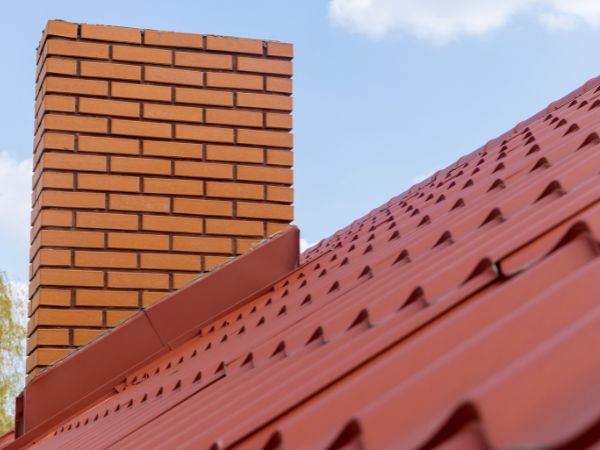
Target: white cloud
x,y
15,204
305,245
443,20
15,195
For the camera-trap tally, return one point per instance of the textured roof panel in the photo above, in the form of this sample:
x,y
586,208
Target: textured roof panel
x,y
461,314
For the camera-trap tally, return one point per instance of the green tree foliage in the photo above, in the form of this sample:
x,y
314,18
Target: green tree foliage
x,y
12,350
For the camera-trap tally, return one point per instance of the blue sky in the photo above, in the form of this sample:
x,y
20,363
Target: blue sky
x,y
386,91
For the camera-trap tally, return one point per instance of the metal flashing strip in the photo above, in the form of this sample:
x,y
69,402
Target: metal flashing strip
x,y
92,372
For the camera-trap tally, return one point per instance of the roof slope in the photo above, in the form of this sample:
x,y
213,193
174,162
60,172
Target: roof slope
x,y
461,314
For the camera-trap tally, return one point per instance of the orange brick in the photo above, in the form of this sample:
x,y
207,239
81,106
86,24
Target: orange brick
x,y
210,261
80,317
271,138
231,117
274,227
173,76
137,128
45,357
83,239
50,257
172,149
233,80
173,224
170,112
262,65
45,336
280,194
203,97
173,186
279,84
243,245
85,297
280,49
181,279
34,248
268,174
141,91
202,133
235,190
144,203
167,261
113,318
61,28
114,71
201,244
265,211
71,277
280,157
57,141
171,39
138,241
275,120
109,33
102,144
236,45
75,86
101,182
138,280
109,221
75,48
203,60
82,336
108,107
141,54
75,123
67,199
202,207
117,260
150,297
57,103
59,180
114,260
70,161
56,218
203,170
234,227
58,66
51,297
140,165
238,153
267,101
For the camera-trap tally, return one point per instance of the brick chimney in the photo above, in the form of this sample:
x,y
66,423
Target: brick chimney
x,y
157,156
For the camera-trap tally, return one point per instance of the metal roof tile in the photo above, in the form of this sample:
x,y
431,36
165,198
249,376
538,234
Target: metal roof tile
x,y
420,325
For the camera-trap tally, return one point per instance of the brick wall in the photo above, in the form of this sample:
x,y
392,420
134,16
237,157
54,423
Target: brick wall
x,y
157,156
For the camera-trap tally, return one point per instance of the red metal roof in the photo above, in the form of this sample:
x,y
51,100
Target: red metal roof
x,y
7,438
461,314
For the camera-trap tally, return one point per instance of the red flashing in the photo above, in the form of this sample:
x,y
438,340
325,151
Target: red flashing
x,y
94,370
181,315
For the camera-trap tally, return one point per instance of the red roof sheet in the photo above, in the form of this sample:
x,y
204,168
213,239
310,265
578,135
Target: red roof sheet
x,y
463,314
7,438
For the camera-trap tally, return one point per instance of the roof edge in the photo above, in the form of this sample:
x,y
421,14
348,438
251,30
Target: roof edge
x,y
438,174
93,371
